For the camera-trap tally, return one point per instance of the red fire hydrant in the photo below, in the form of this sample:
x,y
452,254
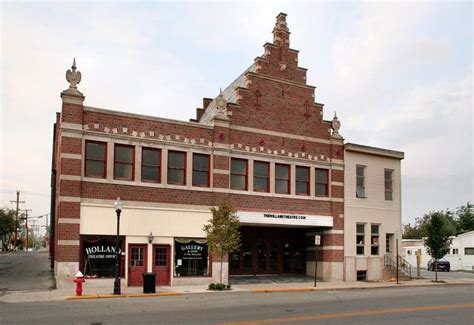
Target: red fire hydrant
x,y
79,281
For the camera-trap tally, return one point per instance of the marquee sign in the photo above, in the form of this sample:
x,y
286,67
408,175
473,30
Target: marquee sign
x,y
284,219
100,249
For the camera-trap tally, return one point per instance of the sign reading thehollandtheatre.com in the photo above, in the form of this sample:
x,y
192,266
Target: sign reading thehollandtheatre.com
x,y
284,219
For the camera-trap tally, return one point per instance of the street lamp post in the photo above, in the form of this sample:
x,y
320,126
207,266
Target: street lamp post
x,y
118,209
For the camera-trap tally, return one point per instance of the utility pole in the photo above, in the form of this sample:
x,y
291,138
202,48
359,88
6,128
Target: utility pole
x,y
17,201
26,228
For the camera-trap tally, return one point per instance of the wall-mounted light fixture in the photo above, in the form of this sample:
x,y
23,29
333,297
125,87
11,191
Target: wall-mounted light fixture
x,y
150,238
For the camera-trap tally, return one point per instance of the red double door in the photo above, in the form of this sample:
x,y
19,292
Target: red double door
x,y
137,263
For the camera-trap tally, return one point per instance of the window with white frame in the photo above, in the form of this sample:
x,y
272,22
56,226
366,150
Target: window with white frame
x,y
455,251
388,175
374,239
360,181
360,239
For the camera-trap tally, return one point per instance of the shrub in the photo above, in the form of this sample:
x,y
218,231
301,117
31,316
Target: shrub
x,y
212,286
228,286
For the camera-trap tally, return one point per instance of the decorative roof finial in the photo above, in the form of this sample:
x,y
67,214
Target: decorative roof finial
x,y
73,76
221,103
335,125
281,33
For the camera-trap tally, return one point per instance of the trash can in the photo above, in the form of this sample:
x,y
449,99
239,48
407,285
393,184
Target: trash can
x,y
149,280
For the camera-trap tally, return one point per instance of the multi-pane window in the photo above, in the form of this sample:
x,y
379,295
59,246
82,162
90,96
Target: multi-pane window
x,y
124,162
238,177
282,179
151,165
161,256
322,188
95,159
261,176
374,240
455,251
302,180
176,167
388,175
360,238
137,256
200,170
360,185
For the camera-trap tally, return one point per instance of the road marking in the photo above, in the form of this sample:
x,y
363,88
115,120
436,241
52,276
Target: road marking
x,y
349,314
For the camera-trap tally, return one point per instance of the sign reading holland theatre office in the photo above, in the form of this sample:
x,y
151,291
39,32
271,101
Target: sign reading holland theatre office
x,y
284,219
100,256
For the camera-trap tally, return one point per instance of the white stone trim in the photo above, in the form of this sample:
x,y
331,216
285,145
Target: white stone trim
x,y
146,205
69,199
325,248
334,232
69,220
71,134
221,171
71,155
72,100
337,183
71,126
62,242
70,177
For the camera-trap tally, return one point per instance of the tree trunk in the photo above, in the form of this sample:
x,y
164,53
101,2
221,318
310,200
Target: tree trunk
x,y
436,270
222,257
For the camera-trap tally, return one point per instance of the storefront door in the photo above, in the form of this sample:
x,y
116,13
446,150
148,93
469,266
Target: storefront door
x,y
136,264
269,251
161,264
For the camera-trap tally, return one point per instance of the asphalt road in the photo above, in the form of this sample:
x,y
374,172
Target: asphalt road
x,y
419,305
23,271
445,275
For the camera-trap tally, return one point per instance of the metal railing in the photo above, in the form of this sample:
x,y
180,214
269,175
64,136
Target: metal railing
x,y
403,265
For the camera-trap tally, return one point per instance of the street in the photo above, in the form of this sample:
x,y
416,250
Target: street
x,y
25,271
446,275
418,305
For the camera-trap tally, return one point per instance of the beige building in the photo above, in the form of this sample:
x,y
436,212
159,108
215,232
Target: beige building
x,y
372,210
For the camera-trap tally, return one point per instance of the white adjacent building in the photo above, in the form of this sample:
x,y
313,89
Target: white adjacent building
x,y
372,210
460,256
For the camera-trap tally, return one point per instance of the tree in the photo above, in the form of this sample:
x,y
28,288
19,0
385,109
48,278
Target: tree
x,y
222,231
438,232
465,218
7,226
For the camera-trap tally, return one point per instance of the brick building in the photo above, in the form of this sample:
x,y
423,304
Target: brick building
x,y
261,143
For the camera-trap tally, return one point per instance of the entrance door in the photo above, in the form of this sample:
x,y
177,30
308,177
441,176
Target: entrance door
x,y
136,264
161,264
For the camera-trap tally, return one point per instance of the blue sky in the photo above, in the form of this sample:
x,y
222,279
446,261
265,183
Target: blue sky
x,y
399,75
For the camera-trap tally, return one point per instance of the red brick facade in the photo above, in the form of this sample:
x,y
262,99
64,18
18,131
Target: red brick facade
x,y
269,115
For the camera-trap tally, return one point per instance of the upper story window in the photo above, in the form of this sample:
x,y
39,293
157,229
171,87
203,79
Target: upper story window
x,y
360,185
374,241
322,188
388,175
360,239
282,179
261,171
177,167
200,170
124,162
468,250
238,177
151,165
96,158
302,180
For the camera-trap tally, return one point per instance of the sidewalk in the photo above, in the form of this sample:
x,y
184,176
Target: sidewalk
x,y
130,292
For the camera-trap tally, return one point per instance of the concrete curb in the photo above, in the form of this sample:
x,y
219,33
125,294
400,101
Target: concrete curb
x,y
401,285
130,295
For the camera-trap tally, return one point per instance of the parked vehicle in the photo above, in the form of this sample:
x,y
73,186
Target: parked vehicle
x,y
442,264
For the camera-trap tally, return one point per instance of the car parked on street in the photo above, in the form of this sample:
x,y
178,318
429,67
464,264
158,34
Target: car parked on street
x,y
442,264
